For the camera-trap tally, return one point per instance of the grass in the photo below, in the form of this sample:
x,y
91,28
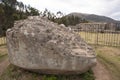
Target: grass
x,y
3,57
110,39
2,41
110,57
3,53
15,73
85,76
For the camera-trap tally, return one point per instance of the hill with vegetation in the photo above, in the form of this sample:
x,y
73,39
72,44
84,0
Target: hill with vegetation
x,y
93,17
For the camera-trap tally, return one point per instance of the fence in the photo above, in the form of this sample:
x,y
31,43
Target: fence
x,y
2,40
105,38
96,37
107,34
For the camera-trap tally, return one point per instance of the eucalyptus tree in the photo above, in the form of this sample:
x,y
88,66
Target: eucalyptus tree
x,y
9,7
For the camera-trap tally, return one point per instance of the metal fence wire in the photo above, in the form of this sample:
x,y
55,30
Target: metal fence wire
x,y
95,36
100,37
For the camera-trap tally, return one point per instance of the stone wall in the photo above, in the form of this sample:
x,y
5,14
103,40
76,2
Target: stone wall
x,y
95,27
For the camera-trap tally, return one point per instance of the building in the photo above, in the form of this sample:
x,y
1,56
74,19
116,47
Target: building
x,y
94,27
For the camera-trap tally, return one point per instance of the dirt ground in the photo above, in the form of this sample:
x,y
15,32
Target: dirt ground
x,y
109,58
3,65
101,72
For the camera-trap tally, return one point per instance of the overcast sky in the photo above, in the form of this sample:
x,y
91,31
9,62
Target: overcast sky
x,y
109,8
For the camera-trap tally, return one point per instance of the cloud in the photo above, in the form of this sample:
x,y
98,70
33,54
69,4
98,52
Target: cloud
x,y
101,7
116,15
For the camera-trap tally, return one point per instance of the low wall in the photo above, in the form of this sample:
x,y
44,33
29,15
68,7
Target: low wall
x,y
95,27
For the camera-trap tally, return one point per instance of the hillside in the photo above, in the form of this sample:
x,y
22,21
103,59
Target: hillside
x,y
93,17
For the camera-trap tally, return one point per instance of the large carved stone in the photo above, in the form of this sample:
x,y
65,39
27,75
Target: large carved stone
x,y
43,46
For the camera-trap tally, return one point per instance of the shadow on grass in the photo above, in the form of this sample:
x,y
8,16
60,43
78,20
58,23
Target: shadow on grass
x,y
15,73
3,57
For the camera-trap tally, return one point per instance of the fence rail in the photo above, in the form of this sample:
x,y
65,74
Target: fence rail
x,y
106,38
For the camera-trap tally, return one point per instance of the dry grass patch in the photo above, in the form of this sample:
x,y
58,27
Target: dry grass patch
x,y
111,39
3,50
2,40
14,73
110,57
3,53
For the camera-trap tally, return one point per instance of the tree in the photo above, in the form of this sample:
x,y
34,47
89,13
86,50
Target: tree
x,y
33,11
59,14
11,10
2,18
51,16
10,3
8,7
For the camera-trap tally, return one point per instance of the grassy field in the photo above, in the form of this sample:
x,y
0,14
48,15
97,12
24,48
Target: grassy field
x,y
14,73
110,39
2,40
110,57
3,53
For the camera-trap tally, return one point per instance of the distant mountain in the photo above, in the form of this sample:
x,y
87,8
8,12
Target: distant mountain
x,y
94,18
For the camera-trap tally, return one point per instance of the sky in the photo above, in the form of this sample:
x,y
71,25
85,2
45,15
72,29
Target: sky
x,y
110,8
